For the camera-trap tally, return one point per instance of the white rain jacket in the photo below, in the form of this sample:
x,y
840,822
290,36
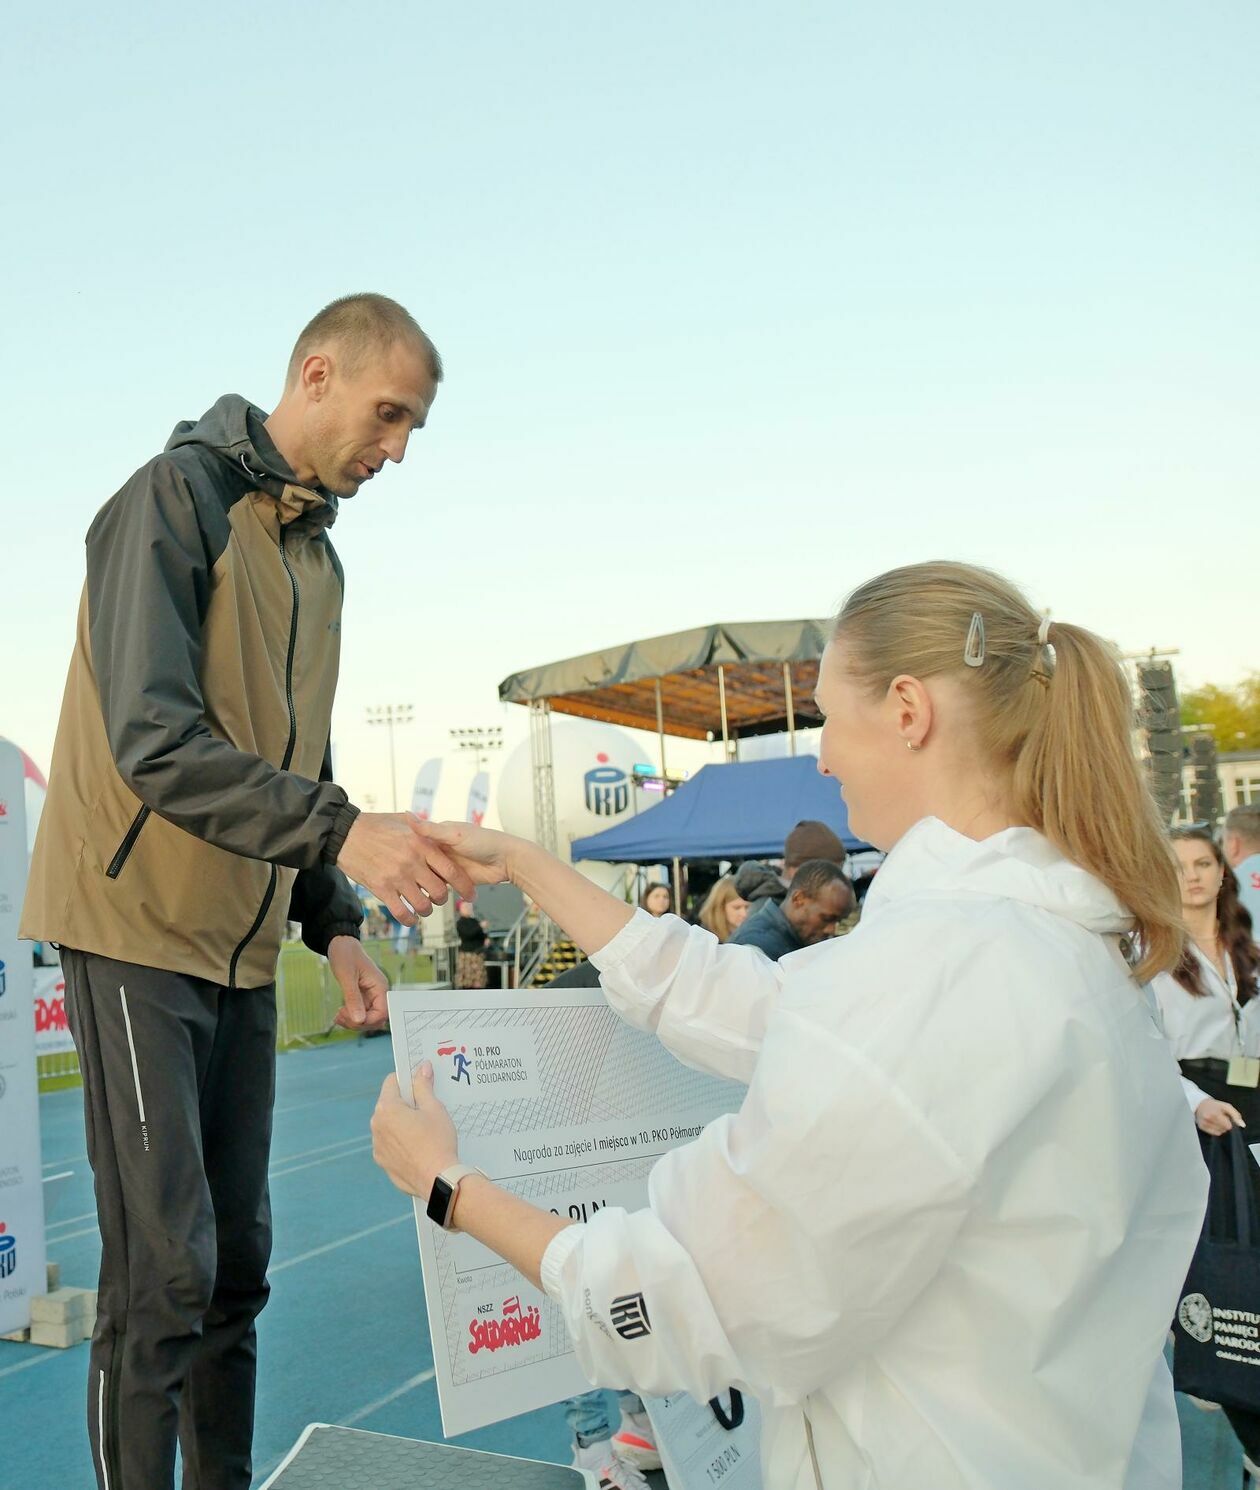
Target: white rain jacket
x,y
947,1228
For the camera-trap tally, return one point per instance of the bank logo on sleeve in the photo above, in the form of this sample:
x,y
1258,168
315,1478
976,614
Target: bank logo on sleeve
x,y
8,1252
1195,1317
629,1316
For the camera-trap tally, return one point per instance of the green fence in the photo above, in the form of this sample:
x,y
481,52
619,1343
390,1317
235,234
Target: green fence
x,y
307,999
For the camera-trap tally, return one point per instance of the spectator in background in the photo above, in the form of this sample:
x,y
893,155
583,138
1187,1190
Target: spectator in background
x,y
724,910
818,899
470,960
1241,843
810,839
1207,1007
657,900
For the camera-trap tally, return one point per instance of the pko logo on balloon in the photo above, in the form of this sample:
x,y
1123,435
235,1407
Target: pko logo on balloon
x,y
8,1252
607,790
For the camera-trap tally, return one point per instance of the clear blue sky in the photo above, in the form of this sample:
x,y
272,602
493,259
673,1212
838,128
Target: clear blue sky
x,y
739,304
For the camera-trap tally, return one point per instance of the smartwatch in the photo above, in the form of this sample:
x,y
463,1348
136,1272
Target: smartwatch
x,y
445,1189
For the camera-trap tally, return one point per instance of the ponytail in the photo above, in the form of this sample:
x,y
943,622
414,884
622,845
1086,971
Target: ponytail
x,y
1078,780
1052,712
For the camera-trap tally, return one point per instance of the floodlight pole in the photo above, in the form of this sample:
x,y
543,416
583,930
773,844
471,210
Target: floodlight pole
x,y
791,707
390,715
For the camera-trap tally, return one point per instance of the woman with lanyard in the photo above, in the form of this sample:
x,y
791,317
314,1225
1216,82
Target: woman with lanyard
x,y
943,1236
1205,1002
1208,1006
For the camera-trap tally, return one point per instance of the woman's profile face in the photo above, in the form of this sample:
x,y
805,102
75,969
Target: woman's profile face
x,y
657,901
862,749
736,912
1200,873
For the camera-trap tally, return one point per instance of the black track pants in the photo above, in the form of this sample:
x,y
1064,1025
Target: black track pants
x,y
178,1084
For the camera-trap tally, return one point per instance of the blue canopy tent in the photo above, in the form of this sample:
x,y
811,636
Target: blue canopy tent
x,y
736,811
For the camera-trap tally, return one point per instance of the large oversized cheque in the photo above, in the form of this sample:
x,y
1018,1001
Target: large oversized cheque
x,y
559,1101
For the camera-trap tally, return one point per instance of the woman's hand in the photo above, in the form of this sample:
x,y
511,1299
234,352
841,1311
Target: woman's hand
x,y
481,853
1217,1117
413,1145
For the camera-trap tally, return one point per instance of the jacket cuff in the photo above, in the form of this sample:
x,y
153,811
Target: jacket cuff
x,y
559,1249
341,826
318,936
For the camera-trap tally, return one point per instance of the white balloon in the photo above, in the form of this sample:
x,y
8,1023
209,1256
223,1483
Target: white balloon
x,y
593,767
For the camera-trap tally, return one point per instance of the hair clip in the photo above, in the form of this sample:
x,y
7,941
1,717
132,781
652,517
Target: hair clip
x,y
1043,631
973,652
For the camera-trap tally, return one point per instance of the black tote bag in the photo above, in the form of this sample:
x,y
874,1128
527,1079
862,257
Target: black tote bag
x,y
1217,1327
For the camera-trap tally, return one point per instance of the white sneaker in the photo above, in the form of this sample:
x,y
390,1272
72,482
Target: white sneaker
x,y
613,1473
635,1442
1204,1406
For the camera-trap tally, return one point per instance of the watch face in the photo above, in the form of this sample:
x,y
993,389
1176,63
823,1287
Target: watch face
x,y
440,1197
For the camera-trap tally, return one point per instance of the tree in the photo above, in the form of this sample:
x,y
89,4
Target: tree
x,y
1231,715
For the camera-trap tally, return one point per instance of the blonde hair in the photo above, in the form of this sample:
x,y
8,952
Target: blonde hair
x,y
1055,717
713,912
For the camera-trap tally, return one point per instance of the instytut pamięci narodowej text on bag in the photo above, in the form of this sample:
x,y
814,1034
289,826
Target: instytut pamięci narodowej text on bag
x,y
1217,1327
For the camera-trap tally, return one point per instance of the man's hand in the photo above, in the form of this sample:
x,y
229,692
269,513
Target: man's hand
x,y
404,868
413,1145
363,985
1217,1117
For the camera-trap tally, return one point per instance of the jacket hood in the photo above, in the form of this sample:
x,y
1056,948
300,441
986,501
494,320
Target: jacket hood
x,y
234,429
1016,864
755,881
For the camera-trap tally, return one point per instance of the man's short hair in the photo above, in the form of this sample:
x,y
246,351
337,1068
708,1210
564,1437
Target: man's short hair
x,y
363,325
1245,821
813,877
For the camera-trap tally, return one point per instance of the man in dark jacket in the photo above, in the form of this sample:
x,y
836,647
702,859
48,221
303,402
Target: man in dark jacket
x,y
190,812
816,902
809,839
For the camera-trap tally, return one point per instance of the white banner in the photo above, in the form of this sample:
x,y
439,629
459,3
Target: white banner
x,y
425,790
478,799
52,1032
22,1258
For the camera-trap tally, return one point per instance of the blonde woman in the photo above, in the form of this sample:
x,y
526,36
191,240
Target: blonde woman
x,y
942,1238
724,911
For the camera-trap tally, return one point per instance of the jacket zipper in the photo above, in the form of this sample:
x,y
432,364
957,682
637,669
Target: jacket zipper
x,y
128,843
284,764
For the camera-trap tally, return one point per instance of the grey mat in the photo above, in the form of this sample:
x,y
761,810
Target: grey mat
x,y
328,1458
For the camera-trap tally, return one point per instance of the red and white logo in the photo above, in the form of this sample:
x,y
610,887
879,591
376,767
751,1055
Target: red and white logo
x,y
515,1327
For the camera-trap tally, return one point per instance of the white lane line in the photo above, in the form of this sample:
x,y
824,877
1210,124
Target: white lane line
x,y
70,1236
322,1149
408,1386
35,1360
367,1091
70,1220
292,1262
327,1159
73,1159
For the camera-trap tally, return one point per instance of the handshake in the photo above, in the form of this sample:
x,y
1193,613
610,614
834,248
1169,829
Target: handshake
x,y
409,865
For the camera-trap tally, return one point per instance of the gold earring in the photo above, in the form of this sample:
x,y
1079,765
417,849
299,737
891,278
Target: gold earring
x,y
910,745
